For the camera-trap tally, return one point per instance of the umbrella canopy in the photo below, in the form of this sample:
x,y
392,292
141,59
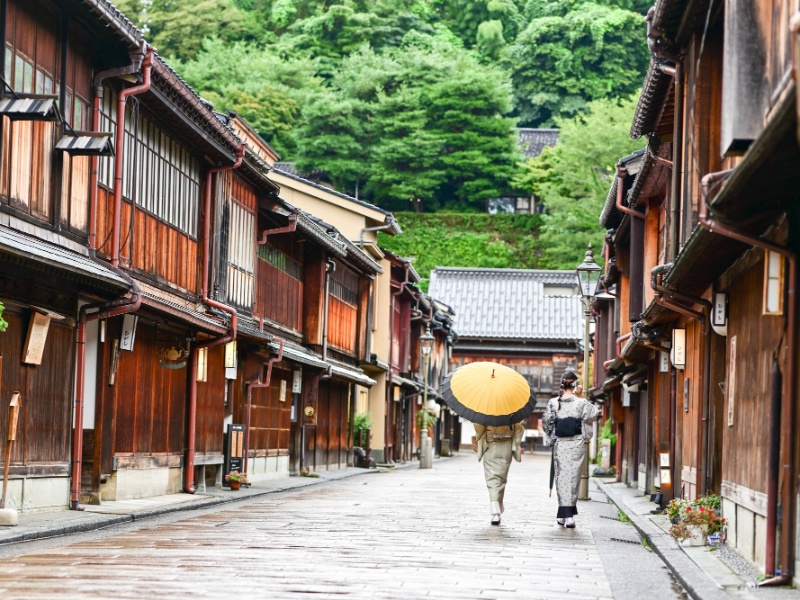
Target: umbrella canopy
x,y
488,393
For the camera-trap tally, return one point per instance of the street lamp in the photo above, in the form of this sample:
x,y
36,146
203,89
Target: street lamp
x,y
425,348
588,275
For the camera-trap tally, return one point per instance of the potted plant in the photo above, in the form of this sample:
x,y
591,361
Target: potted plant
x,y
675,509
695,524
236,479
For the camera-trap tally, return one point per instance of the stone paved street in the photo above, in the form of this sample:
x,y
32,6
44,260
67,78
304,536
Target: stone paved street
x,y
407,533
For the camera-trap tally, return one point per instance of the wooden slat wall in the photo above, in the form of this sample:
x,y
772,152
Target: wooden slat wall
x,y
147,246
270,416
149,400
279,297
211,404
746,442
342,325
45,425
331,444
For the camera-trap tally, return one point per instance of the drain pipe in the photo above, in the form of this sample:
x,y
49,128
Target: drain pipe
x,y
619,341
661,291
191,417
658,51
250,386
389,224
622,172
97,102
330,267
292,226
786,409
118,307
119,159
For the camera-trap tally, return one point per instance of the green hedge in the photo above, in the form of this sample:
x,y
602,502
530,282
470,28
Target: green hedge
x,y
465,240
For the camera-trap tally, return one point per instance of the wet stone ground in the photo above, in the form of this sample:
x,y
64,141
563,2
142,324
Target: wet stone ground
x,y
407,533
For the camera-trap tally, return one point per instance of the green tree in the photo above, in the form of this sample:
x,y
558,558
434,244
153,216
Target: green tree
x,y
421,121
573,178
177,27
559,63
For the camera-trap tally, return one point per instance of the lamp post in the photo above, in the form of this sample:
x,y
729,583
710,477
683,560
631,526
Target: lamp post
x,y
425,348
588,275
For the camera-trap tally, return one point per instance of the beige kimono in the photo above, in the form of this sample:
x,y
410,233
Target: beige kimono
x,y
496,446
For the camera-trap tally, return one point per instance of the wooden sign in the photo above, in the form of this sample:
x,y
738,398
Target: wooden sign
x,y
37,336
13,416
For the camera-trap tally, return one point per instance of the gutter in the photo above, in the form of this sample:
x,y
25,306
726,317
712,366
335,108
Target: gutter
x,y
122,305
134,67
119,164
658,51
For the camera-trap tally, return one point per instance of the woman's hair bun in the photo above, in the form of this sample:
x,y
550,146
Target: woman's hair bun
x,y
569,376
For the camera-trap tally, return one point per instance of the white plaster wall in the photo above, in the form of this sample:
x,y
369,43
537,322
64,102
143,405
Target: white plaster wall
x,y
264,468
40,494
130,484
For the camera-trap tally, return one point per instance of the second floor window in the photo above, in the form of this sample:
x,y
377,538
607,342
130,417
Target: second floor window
x,y
161,176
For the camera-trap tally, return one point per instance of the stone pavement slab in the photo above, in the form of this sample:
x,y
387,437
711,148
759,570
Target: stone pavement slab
x,y
698,569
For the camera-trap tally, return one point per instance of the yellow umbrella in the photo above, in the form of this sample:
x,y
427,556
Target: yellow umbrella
x,y
488,393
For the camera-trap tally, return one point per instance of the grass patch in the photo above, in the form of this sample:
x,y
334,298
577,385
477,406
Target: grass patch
x,y
624,518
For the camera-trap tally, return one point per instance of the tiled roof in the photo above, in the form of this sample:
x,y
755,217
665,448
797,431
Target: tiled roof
x,y
113,18
55,256
533,141
509,303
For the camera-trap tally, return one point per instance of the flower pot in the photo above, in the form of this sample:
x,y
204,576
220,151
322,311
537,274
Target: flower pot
x,y
235,485
698,536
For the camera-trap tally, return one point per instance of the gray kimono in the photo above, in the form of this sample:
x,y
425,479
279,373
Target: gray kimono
x,y
568,452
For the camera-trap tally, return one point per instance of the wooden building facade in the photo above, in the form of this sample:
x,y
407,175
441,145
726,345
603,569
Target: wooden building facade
x,y
146,256
701,337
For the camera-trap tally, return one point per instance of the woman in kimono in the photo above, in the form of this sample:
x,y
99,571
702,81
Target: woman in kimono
x,y
496,446
564,423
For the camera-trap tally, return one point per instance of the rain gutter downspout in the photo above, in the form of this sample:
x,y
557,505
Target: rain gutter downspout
x,y
291,227
97,101
621,173
191,416
388,225
251,385
119,159
787,407
117,307
330,267
661,291
619,341
657,49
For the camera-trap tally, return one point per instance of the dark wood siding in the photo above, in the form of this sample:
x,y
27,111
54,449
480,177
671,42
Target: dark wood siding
x,y
147,403
211,405
279,296
331,445
45,426
746,441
